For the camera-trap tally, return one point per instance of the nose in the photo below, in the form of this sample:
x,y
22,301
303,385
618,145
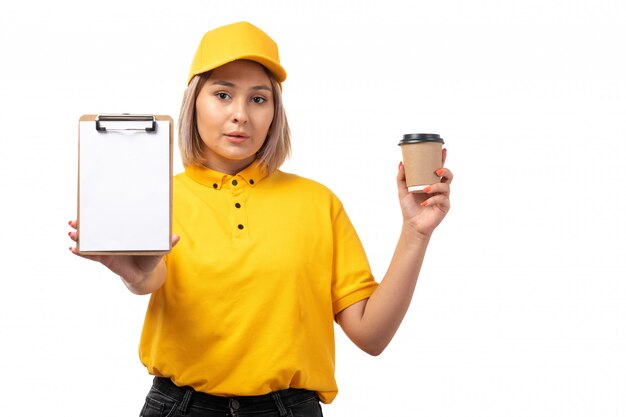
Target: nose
x,y
240,111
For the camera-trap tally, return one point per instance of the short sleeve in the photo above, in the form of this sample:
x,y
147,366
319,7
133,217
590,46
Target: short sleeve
x,y
352,277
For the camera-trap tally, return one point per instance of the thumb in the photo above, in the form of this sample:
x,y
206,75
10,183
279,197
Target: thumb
x,y
401,180
175,240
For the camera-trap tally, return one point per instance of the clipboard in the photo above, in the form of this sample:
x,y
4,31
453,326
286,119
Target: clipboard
x,y
124,184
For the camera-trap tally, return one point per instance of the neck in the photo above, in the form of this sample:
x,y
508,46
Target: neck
x,y
227,166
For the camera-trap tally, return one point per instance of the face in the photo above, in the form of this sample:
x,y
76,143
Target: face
x,y
234,110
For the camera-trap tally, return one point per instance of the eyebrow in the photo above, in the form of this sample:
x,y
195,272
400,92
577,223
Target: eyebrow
x,y
229,84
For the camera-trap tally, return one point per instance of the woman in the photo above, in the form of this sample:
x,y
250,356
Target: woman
x,y
240,320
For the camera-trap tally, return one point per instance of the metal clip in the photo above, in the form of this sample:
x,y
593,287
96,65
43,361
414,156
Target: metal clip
x,y
126,117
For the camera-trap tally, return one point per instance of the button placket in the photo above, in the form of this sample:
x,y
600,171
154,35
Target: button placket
x,y
238,192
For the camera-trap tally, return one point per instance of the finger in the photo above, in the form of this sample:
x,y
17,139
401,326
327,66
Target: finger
x,y
439,201
73,236
74,250
401,177
95,258
445,174
401,180
175,240
72,224
438,188
444,154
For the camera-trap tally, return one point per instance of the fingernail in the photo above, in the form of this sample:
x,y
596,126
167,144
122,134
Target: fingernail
x,y
424,203
427,189
400,165
439,172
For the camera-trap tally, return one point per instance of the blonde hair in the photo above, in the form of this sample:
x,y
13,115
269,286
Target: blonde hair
x,y
275,149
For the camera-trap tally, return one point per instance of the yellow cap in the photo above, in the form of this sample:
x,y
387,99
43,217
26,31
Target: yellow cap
x,y
236,41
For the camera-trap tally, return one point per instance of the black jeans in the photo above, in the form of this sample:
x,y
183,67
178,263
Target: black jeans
x,y
168,400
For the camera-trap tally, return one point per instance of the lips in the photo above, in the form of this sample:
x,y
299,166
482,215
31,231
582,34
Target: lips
x,y
237,135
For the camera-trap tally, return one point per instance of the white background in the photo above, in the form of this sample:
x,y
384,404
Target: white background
x,y
520,307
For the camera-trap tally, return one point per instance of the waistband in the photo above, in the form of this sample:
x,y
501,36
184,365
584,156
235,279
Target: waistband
x,y
277,400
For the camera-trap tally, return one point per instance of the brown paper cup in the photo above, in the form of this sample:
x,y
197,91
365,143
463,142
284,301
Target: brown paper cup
x,y
421,159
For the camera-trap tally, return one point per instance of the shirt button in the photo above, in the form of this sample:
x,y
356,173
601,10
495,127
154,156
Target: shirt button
x,y
234,404
240,227
235,182
237,205
214,185
251,182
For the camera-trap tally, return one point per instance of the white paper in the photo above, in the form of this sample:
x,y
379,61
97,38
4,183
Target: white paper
x,y
124,188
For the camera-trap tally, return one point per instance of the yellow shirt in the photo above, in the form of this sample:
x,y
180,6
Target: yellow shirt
x,y
263,266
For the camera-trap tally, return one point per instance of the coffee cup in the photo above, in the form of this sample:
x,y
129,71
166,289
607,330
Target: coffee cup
x,y
421,155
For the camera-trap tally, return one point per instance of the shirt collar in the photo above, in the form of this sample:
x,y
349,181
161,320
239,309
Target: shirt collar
x,y
251,175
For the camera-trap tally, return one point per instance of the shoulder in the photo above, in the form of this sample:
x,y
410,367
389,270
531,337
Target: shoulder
x,y
182,180
308,195
301,185
181,176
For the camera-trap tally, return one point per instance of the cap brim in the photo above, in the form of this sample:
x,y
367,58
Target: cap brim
x,y
277,70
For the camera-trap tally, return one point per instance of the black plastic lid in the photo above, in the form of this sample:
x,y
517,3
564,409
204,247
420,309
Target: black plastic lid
x,y
420,137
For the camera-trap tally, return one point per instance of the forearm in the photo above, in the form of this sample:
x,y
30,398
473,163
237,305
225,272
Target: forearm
x,y
385,309
371,323
147,283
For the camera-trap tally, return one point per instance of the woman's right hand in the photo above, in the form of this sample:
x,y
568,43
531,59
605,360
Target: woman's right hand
x,y
142,274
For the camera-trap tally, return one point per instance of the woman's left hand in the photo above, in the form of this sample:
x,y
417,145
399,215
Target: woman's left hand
x,y
422,212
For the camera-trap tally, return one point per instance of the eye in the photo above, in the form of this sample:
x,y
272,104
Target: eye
x,y
258,99
222,96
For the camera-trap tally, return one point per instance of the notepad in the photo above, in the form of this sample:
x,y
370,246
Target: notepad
x,y
124,184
